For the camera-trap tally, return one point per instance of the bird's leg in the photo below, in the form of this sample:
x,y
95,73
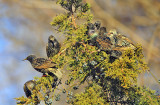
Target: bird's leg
x,y
30,97
44,74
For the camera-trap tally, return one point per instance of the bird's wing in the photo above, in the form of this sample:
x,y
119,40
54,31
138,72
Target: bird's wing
x,y
125,38
55,43
56,72
47,50
44,63
104,44
103,41
46,47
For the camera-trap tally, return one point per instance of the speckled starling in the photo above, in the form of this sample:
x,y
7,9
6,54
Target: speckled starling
x,y
123,41
104,42
92,34
97,25
102,31
120,43
119,40
113,36
28,87
52,47
44,66
90,30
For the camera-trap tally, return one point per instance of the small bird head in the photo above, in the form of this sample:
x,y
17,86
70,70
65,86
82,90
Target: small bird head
x,y
30,58
113,32
90,26
102,30
90,29
97,24
51,38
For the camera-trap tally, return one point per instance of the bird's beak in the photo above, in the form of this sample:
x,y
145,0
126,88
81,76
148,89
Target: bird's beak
x,y
24,59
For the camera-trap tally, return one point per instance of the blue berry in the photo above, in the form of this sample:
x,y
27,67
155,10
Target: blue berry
x,y
93,63
80,71
75,87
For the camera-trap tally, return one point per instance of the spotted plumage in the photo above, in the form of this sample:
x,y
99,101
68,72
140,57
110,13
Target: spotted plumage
x,y
102,31
123,41
104,42
112,34
120,43
52,47
28,87
97,24
111,42
90,30
92,34
44,66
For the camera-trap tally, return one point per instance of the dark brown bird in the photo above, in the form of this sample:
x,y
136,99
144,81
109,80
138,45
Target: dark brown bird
x,y
44,66
28,87
97,24
120,43
104,42
119,40
102,31
90,30
52,47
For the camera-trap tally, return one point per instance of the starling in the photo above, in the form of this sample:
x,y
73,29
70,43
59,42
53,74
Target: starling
x,y
44,66
123,41
92,34
102,31
28,87
97,24
93,29
120,43
104,42
90,30
112,35
52,47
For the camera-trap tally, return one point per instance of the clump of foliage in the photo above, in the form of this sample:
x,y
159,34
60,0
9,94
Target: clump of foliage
x,y
112,82
91,96
41,92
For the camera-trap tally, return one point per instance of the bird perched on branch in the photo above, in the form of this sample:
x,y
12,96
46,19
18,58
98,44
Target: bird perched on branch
x,y
92,35
28,87
119,40
45,66
120,43
52,47
92,32
97,24
104,42
93,29
111,42
102,31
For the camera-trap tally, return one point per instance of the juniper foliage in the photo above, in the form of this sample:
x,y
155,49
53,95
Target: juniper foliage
x,y
113,81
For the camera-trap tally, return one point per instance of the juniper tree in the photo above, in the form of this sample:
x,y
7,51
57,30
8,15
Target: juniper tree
x,y
110,81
